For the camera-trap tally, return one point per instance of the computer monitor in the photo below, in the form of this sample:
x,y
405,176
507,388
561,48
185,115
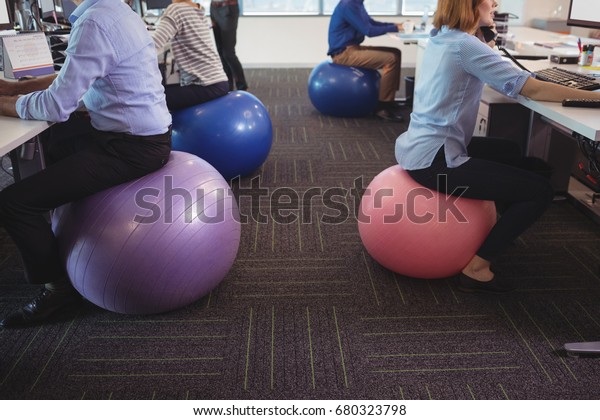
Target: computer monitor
x,y
6,15
157,4
67,8
63,8
584,13
46,8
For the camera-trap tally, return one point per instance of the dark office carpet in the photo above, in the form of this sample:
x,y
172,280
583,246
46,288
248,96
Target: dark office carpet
x,y
305,313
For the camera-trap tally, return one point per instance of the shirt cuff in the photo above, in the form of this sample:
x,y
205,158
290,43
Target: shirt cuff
x,y
21,108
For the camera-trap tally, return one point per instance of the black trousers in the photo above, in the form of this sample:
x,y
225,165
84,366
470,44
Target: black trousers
x,y
496,172
80,161
225,22
179,97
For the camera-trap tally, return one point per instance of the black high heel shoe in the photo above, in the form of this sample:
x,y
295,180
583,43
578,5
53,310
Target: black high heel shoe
x,y
470,285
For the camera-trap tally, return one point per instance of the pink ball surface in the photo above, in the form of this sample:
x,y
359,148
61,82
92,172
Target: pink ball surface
x,y
418,232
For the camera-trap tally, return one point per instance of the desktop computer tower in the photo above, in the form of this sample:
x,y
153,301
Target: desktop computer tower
x,y
502,117
586,166
553,144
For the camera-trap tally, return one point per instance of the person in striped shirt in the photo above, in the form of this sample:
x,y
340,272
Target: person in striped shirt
x,y
201,74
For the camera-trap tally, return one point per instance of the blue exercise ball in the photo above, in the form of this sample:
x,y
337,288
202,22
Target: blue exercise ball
x,y
233,133
154,244
343,91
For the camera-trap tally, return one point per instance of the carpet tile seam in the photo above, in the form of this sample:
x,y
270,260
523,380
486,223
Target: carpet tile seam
x,y
525,342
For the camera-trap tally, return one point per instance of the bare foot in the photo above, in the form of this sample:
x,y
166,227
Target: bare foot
x,y
479,269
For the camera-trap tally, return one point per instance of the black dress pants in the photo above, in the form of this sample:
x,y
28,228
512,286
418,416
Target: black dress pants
x,y
225,22
496,171
179,97
80,161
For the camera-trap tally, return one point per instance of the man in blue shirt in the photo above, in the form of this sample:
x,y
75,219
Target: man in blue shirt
x,y
349,25
112,70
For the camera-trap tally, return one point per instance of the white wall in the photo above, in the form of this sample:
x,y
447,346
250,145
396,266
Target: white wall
x,y
302,41
299,41
526,10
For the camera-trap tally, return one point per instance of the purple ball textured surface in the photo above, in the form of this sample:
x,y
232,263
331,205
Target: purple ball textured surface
x,y
154,244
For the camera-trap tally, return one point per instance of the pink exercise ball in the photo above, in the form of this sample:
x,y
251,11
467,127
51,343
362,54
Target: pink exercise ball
x,y
418,232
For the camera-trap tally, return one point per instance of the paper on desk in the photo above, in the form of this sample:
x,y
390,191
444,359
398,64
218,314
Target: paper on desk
x,y
26,55
592,68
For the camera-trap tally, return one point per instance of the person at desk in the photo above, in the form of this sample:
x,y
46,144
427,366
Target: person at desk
x,y
111,67
201,74
437,149
349,25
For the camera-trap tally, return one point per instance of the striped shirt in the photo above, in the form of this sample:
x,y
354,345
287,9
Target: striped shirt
x,y
192,43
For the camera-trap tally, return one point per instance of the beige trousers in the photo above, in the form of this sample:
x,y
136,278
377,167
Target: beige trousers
x,y
385,59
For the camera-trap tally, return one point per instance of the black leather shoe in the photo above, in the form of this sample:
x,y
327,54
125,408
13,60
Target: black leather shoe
x,y
387,115
40,308
470,285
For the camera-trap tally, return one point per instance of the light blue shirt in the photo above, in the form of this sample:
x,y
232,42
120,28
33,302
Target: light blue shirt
x,y
455,68
111,66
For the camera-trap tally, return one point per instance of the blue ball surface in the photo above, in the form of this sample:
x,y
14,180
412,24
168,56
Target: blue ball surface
x,y
233,133
343,91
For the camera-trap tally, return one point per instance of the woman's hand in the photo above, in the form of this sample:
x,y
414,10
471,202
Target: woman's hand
x,y
552,92
488,34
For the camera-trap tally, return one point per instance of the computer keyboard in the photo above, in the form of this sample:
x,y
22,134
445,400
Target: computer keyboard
x,y
568,78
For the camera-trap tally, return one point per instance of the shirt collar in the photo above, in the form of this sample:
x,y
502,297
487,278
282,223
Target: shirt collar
x,y
80,10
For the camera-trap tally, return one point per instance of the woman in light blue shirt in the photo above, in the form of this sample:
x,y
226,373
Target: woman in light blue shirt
x,y
436,145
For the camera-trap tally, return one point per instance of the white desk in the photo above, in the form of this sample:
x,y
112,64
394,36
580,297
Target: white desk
x,y
522,40
583,121
413,36
16,131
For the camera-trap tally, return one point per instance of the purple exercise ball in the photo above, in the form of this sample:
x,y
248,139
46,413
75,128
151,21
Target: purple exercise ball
x,y
154,244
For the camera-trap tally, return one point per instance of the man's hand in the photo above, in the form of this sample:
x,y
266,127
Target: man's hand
x,y
8,106
7,88
25,86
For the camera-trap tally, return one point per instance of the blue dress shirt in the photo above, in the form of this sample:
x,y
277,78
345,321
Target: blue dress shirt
x,y
350,23
455,68
111,66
